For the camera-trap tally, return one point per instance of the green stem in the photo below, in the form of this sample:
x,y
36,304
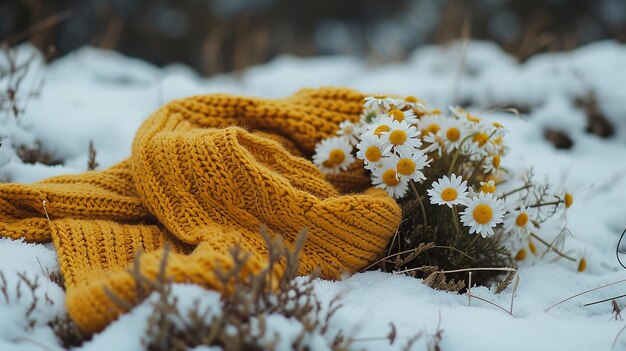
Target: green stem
x,y
476,239
476,169
456,154
552,247
471,178
455,218
419,198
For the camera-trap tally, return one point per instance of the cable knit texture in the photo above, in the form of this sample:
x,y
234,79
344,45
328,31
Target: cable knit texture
x,y
204,175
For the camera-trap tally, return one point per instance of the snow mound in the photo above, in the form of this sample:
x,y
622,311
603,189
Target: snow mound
x,y
100,96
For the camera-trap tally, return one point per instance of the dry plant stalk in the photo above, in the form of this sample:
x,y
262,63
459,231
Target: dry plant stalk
x,y
15,98
92,164
241,323
65,330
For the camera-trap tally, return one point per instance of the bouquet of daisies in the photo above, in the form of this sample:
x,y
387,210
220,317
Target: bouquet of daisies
x,y
444,171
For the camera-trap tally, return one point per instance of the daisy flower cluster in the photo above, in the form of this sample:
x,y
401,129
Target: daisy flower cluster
x,y
450,163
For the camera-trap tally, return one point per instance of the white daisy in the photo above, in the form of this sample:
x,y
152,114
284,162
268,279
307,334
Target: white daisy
x,y
491,164
448,191
350,131
518,221
482,214
453,131
410,102
379,102
387,178
333,155
496,128
408,164
498,145
488,187
463,115
407,116
481,138
430,124
436,143
380,124
371,150
401,136
478,146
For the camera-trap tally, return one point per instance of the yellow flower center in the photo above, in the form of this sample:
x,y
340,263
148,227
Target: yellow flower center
x,y
435,111
481,138
532,247
372,154
379,96
389,177
397,115
582,265
448,194
472,118
497,125
487,188
521,255
406,166
381,129
336,157
397,137
453,134
496,161
498,140
433,128
411,99
521,219
569,200
482,214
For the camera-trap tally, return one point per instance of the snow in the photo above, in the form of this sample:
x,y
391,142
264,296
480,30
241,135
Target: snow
x,y
102,96
31,261
127,332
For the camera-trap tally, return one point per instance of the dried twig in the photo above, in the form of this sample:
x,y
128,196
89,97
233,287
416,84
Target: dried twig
x,y
583,293
91,161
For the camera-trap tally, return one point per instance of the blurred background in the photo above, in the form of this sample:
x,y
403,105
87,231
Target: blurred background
x,y
215,36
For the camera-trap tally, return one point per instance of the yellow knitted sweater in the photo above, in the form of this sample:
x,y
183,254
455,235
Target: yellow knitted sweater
x,y
205,173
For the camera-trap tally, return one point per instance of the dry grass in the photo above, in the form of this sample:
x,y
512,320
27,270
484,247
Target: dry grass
x,y
15,97
67,332
424,251
26,288
92,164
242,322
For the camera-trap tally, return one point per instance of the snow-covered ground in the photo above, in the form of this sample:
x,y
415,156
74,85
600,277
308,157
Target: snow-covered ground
x,y
102,96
